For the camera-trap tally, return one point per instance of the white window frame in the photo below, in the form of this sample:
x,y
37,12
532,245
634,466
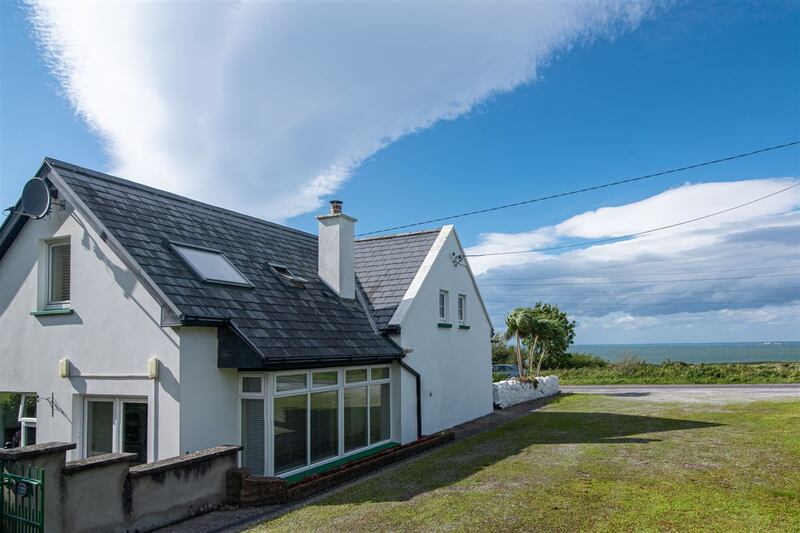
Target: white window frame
x,y
116,423
462,309
443,310
307,391
26,421
49,303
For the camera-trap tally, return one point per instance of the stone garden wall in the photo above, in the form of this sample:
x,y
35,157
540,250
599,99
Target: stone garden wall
x,y
512,391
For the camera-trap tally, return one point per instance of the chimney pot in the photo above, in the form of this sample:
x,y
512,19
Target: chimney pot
x,y
336,207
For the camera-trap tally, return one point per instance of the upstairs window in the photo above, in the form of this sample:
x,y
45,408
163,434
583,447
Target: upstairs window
x,y
443,306
210,265
462,308
58,278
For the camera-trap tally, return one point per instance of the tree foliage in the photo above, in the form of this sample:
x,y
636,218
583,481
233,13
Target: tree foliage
x,y
543,330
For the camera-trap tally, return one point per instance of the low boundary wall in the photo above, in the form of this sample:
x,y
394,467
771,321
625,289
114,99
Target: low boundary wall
x,y
106,493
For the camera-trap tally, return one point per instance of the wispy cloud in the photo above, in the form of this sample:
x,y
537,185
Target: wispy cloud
x,y
730,272
265,107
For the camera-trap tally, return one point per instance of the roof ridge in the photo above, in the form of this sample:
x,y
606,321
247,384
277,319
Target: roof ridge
x,y
396,235
161,192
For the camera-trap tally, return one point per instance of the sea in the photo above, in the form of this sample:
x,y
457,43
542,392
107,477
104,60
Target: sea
x,y
713,352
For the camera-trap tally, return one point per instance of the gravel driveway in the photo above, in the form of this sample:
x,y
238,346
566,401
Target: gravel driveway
x,y
715,394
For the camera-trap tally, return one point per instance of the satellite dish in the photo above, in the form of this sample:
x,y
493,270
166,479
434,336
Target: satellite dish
x,y
35,198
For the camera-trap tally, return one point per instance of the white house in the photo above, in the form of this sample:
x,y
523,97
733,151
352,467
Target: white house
x,y
132,319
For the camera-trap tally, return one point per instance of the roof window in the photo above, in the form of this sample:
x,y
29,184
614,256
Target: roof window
x,y
210,265
286,274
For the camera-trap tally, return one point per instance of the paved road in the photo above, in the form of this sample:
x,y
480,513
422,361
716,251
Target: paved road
x,y
693,393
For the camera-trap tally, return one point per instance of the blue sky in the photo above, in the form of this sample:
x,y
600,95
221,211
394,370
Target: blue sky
x,y
674,84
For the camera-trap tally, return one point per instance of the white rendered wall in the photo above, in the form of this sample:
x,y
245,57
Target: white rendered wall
x,y
209,395
114,330
455,364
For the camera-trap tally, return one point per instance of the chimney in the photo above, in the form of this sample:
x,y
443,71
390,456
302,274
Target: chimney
x,y
336,262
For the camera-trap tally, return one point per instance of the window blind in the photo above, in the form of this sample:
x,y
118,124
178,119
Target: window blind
x,y
59,273
290,432
253,435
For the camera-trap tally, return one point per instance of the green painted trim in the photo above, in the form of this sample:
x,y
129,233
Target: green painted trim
x,y
444,325
339,462
462,326
46,312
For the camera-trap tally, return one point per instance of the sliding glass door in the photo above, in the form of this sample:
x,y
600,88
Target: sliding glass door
x,y
115,424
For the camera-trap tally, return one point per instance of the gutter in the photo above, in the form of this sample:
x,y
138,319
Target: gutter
x,y
417,377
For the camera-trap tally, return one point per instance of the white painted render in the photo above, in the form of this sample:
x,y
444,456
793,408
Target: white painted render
x,y
455,363
113,331
336,253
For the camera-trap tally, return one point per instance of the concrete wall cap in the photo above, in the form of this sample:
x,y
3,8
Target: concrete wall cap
x,y
182,461
36,450
98,461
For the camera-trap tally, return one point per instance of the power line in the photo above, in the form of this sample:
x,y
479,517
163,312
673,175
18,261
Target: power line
x,y
637,304
585,189
752,269
638,233
635,281
605,295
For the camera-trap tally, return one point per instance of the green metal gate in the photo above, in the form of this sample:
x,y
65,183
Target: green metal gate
x,y
21,498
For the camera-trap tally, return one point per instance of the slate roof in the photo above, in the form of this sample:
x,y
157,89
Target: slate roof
x,y
386,266
284,323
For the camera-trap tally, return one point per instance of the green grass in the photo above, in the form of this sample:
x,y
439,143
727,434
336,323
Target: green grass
x,y
635,371
590,463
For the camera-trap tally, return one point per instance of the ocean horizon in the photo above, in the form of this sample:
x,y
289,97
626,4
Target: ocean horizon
x,y
706,352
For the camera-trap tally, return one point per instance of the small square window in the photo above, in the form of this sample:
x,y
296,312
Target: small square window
x,y
443,305
325,379
58,279
251,384
290,382
210,265
355,376
379,373
462,308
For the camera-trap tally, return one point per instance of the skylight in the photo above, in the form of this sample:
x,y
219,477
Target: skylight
x,y
210,265
288,275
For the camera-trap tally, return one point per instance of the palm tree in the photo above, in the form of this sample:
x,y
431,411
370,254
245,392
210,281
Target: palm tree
x,y
516,323
550,332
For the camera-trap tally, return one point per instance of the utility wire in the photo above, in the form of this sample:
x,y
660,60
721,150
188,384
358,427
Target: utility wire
x,y
637,304
625,295
585,189
638,233
634,281
752,269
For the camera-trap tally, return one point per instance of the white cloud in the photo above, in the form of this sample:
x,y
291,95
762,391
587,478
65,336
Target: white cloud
x,y
264,107
722,277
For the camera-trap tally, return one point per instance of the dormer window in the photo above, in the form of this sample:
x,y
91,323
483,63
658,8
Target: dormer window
x,y
286,274
210,265
58,276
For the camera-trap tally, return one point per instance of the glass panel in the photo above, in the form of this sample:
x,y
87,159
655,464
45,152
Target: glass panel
x,y
324,425
251,384
253,436
379,413
10,428
28,406
134,430
212,266
323,379
59,273
461,307
291,382
380,373
354,376
100,428
355,418
290,432
28,434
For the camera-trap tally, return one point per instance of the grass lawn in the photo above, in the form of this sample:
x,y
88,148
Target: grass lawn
x,y
589,462
639,372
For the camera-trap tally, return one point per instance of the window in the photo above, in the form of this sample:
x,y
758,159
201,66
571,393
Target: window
x,y
210,265
320,415
27,419
462,309
58,278
115,425
443,304
286,274
252,423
